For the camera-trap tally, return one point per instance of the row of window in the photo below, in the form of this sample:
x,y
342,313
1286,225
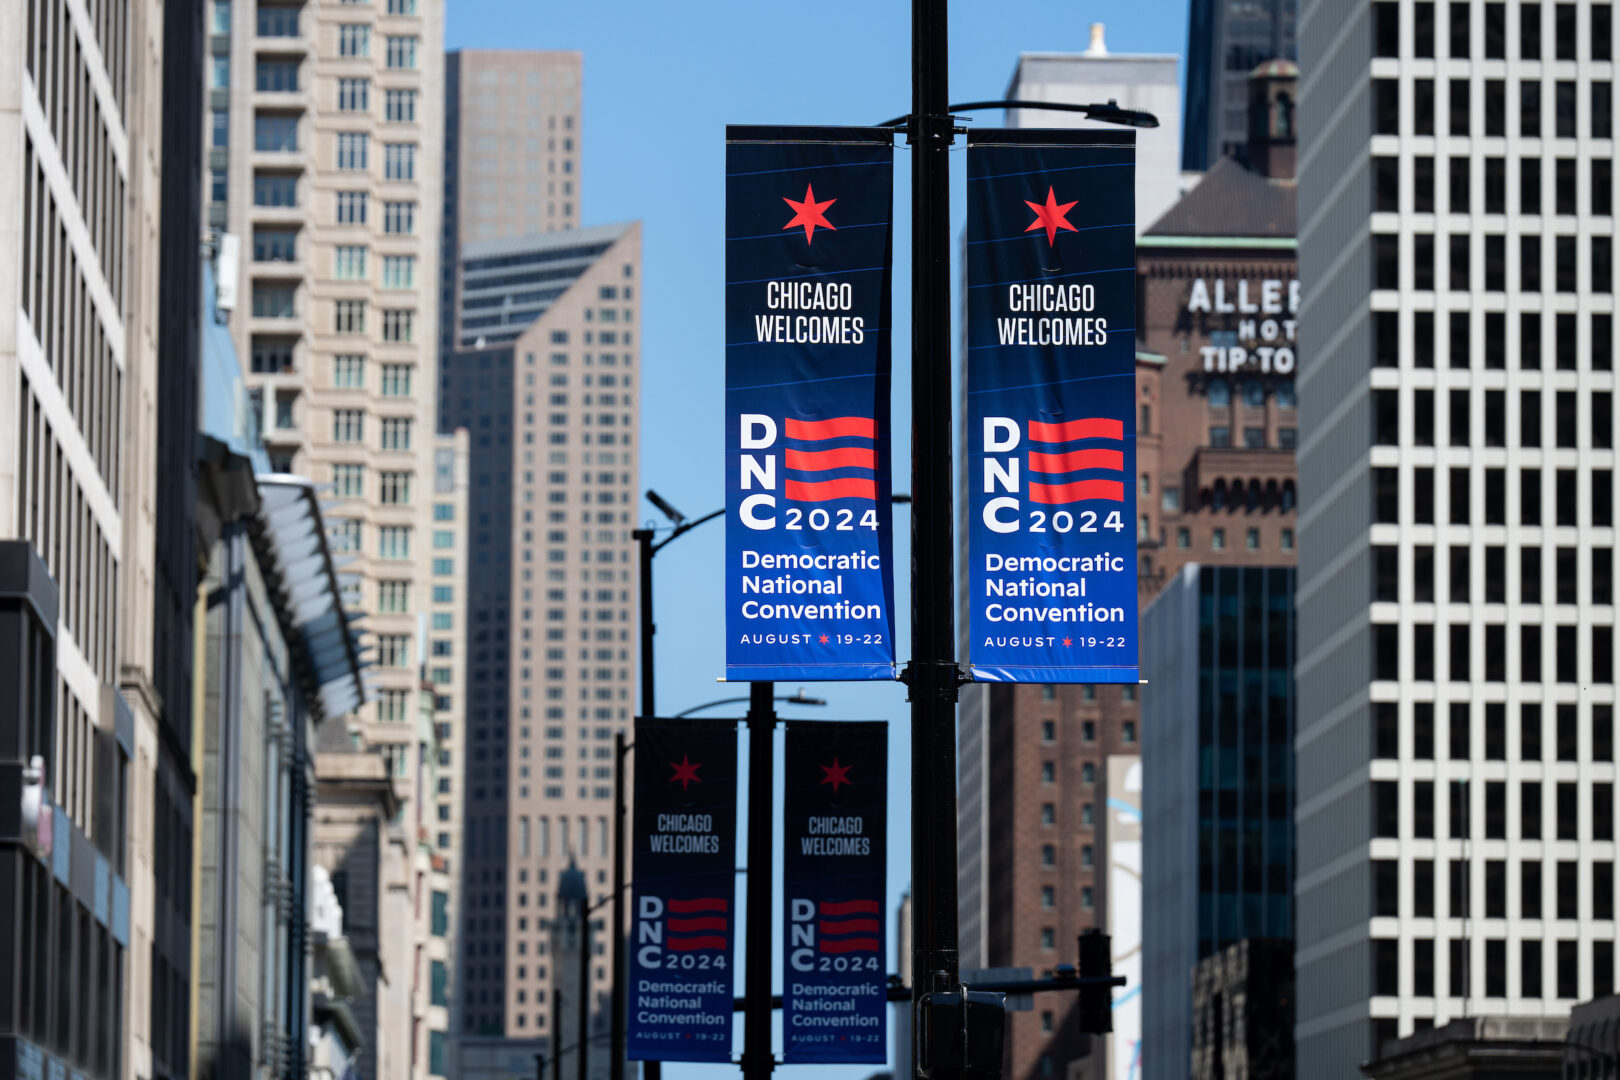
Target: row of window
x,y
1491,663
394,596
1219,392
354,40
1566,504
353,154
1425,258
1564,429
1459,178
1533,741
1493,981
1532,880
1254,438
394,487
1566,352
1564,567
1494,108
354,96
1386,30
1217,538
1566,816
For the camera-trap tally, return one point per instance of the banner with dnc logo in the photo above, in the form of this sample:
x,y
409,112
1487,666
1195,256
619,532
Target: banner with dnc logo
x,y
1051,389
809,528
683,869
835,957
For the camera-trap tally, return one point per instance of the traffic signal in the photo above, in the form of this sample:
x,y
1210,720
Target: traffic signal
x,y
961,1036
1096,998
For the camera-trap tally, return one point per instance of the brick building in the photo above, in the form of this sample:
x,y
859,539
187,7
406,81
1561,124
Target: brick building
x,y
1217,296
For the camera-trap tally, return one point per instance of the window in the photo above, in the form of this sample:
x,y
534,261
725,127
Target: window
x,y
1127,731
354,39
348,425
399,271
1386,107
273,300
1048,856
349,480
394,650
1220,393
399,106
402,7
275,245
349,316
399,161
275,132
402,51
222,17
353,150
349,262
444,512
444,566
399,218
393,597
396,433
354,95
278,21
393,706
270,76
1048,772
1217,539
344,533
1529,108
351,207
1220,436
398,324
272,356
348,372
1386,23
396,488
218,185
396,380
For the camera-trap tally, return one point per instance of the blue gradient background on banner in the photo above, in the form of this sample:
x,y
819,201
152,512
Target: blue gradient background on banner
x,y
1052,385
833,910
682,962
765,167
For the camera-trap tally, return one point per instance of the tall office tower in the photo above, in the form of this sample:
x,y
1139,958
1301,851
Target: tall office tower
x,y
78,229
1226,41
1217,756
512,152
1137,81
162,368
545,377
1456,640
1216,427
326,124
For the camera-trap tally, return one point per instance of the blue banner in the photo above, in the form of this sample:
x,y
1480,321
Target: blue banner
x,y
683,866
809,529
1051,388
834,1006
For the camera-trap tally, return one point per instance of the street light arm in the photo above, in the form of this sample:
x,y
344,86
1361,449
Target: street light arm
x,y
1110,113
792,699
685,527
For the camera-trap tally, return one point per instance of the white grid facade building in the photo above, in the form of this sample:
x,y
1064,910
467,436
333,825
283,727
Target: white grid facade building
x,y
1456,814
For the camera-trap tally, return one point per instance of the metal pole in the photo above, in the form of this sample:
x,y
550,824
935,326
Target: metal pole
x,y
584,1038
651,1070
644,538
933,672
757,1059
556,1033
616,939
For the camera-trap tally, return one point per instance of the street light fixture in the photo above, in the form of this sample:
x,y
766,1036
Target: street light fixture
x,y
800,698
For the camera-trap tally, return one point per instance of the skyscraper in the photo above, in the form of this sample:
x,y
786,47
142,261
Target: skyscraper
x,y
325,127
512,152
545,376
1455,752
78,230
1226,41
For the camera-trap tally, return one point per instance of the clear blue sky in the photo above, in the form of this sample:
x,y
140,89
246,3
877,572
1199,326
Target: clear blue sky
x,y
662,79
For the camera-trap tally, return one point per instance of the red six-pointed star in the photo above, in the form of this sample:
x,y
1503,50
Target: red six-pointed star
x,y
1065,643
811,213
1051,217
685,772
824,639
836,774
